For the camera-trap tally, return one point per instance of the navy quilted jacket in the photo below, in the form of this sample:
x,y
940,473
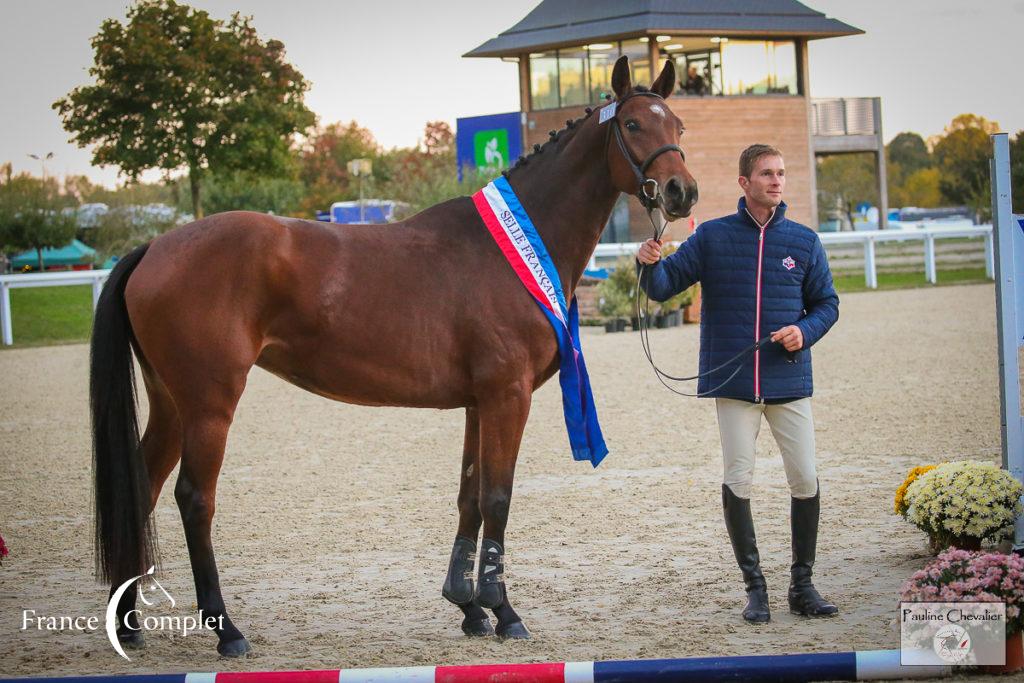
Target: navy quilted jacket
x,y
753,282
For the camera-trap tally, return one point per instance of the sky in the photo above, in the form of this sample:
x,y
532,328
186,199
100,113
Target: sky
x,y
393,66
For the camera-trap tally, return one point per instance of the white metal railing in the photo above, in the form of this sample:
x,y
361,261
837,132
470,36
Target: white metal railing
x,y
868,238
96,278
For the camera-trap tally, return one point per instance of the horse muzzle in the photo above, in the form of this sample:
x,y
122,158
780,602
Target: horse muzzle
x,y
678,198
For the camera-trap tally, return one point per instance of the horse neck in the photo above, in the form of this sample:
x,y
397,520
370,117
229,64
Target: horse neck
x,y
569,196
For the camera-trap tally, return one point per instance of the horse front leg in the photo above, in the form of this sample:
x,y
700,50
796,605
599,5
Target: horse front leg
x,y
458,584
502,419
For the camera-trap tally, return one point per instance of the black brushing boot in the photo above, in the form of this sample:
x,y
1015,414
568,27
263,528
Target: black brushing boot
x,y
491,576
804,599
458,588
490,592
740,524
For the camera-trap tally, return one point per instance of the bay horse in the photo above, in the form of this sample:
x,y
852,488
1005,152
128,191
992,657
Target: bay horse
x,y
312,302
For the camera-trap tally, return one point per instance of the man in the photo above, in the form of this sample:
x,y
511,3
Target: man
x,y
694,83
761,273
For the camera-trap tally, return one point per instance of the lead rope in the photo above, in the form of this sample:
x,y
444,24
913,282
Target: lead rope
x,y
643,314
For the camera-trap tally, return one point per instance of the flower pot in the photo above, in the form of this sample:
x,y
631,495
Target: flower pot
x,y
661,321
634,322
1014,657
610,326
940,543
620,324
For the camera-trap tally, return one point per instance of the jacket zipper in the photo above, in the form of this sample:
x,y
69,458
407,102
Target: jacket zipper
x,y
757,317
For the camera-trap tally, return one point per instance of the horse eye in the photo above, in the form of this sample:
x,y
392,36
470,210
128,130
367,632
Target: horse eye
x,y
632,125
681,131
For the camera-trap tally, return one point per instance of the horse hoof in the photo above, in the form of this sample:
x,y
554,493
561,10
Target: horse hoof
x,y
515,631
477,628
131,640
234,648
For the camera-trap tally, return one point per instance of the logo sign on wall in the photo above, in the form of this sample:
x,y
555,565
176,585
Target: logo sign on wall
x,y
488,143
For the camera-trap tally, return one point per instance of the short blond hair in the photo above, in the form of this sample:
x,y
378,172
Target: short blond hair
x,y
751,154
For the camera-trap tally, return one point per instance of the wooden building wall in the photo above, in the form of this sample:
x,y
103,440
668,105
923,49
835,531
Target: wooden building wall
x,y
717,130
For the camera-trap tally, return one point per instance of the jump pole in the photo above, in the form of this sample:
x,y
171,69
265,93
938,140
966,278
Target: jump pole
x,y
1009,258
839,666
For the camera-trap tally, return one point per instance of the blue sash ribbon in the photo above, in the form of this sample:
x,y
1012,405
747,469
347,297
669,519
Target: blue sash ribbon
x,y
539,275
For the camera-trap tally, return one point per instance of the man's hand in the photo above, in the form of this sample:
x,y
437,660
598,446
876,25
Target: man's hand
x,y
791,338
650,252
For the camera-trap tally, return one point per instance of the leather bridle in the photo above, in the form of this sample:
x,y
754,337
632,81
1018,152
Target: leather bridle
x,y
648,190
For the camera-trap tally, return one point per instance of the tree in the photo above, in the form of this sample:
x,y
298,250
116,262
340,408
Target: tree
x,y
910,152
844,181
323,164
962,153
921,189
175,89
1017,172
245,191
31,215
438,138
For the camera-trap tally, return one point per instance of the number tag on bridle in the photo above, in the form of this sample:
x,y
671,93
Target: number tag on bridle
x,y
607,113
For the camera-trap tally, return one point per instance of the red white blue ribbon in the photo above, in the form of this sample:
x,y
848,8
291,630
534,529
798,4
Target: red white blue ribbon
x,y
519,241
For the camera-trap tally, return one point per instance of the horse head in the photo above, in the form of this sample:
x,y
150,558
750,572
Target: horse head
x,y
645,158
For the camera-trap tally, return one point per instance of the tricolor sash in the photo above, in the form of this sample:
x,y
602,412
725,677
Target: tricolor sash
x,y
519,241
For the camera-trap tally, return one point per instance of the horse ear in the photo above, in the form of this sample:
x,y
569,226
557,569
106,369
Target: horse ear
x,y
621,83
666,82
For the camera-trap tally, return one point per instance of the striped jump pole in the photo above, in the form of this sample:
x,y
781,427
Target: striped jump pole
x,y
842,666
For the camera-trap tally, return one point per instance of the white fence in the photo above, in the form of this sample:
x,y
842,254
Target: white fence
x,y
96,278
868,238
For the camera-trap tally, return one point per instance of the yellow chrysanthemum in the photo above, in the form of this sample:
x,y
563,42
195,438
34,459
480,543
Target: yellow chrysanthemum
x,y
900,504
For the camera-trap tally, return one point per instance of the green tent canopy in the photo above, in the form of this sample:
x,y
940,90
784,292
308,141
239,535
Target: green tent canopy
x,y
73,254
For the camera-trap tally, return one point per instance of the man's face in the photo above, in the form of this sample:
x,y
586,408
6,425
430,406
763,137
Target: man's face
x,y
693,71
766,182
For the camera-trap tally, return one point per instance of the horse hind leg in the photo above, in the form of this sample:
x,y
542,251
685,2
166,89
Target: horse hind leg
x,y
160,449
458,584
205,432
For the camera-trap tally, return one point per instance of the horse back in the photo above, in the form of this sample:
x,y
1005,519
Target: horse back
x,y
424,312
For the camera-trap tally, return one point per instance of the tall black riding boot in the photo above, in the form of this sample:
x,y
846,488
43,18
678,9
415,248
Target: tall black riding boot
x,y
804,599
740,524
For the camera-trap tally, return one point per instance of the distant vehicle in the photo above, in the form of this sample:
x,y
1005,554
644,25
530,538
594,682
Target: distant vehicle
x,y
367,211
913,214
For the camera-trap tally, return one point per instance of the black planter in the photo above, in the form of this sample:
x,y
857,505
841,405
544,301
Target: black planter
x,y
611,326
620,324
661,321
635,323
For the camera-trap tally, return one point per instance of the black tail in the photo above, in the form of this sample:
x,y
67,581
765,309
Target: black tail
x,y
125,539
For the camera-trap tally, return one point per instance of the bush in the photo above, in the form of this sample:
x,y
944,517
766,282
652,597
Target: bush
x,y
617,294
962,576
958,501
122,229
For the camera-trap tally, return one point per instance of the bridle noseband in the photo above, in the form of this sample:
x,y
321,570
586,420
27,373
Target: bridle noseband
x,y
648,189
